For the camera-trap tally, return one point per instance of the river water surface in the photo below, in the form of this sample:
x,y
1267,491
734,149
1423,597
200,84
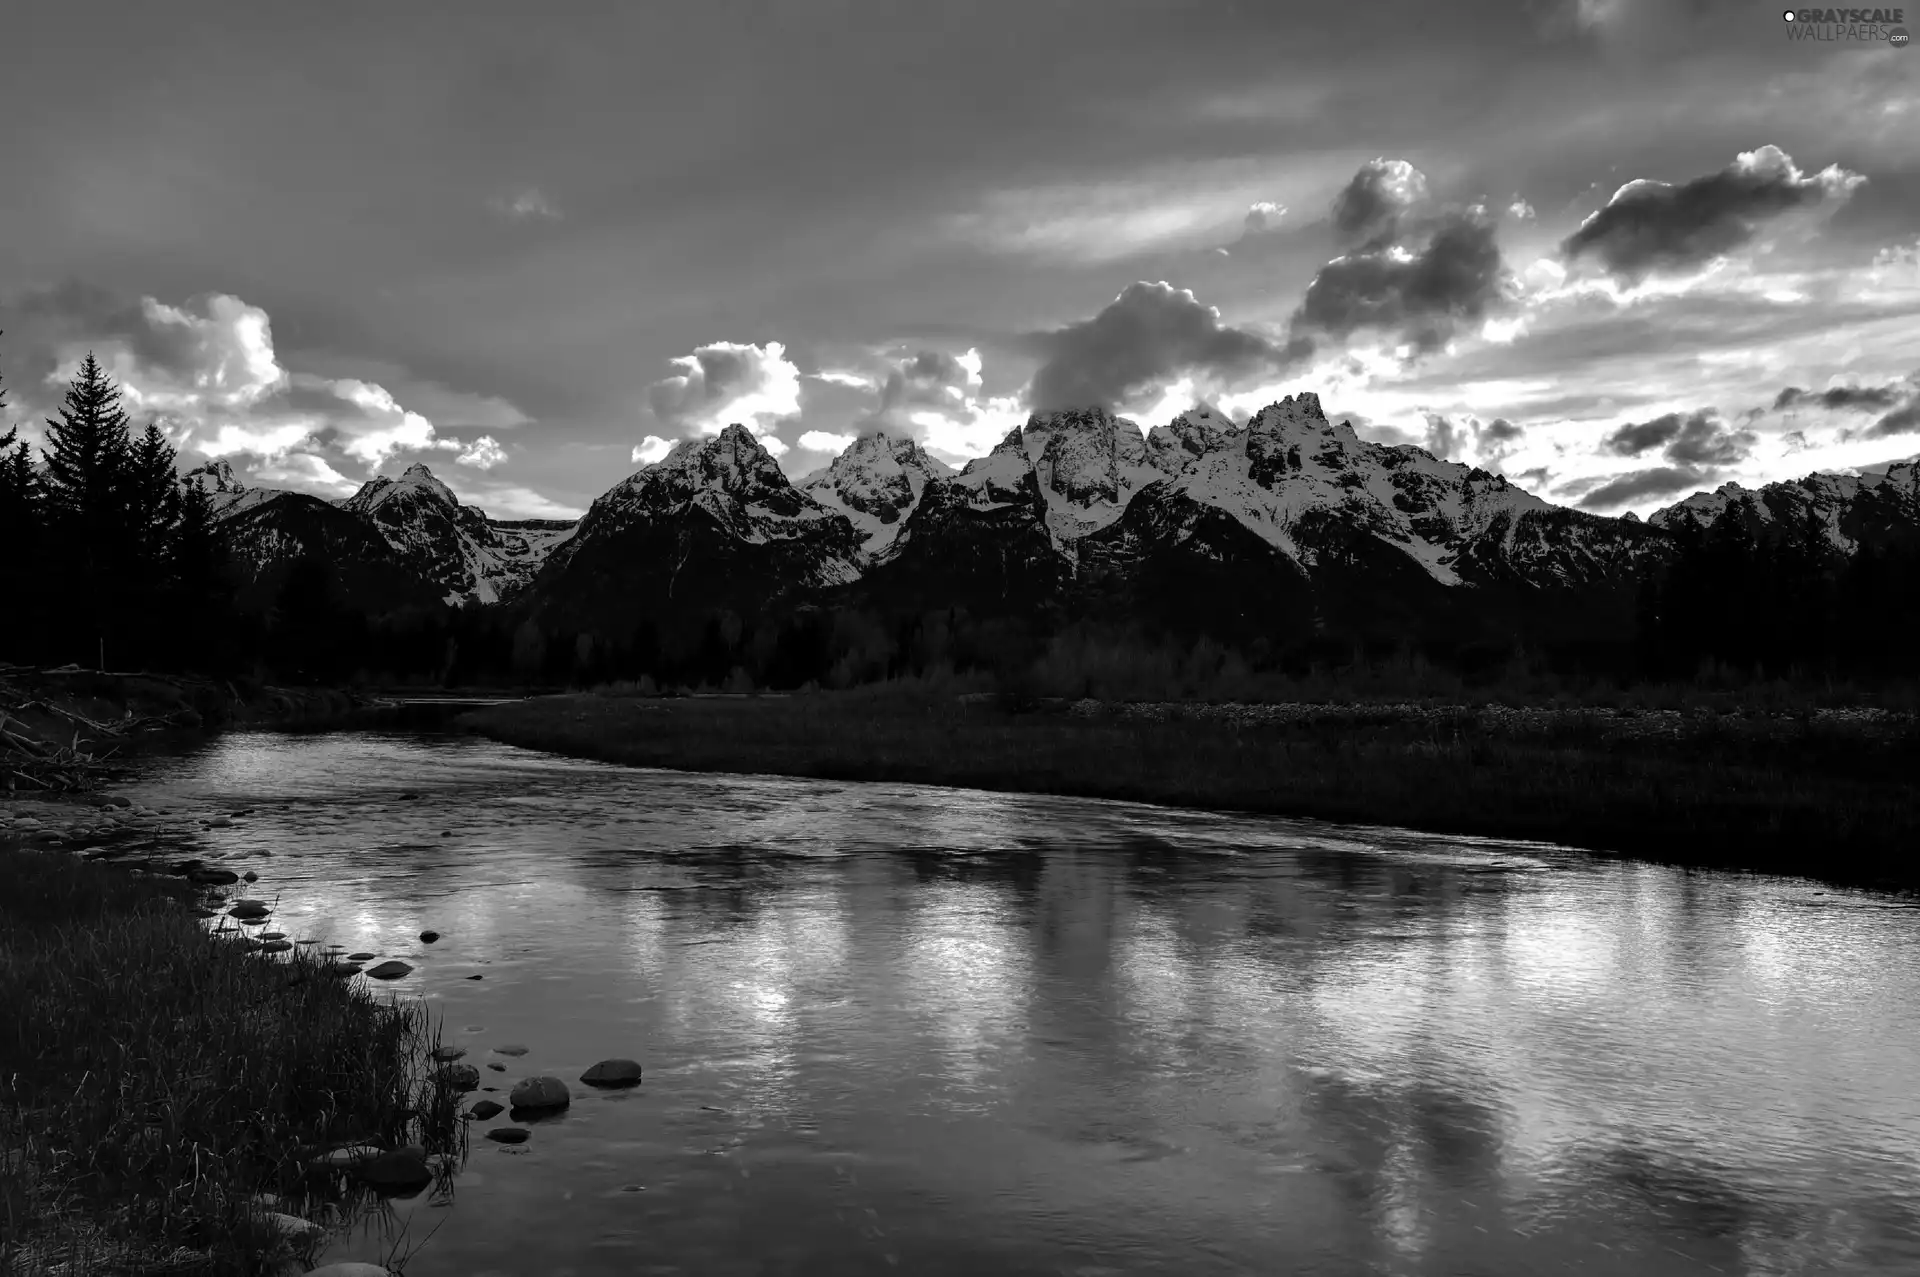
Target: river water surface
x,y
895,1029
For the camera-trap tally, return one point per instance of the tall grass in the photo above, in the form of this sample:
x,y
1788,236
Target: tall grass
x,y
155,1075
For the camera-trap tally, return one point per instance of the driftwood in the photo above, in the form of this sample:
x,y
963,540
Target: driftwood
x,y
33,758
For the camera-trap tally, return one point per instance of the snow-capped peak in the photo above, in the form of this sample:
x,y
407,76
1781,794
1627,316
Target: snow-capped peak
x,y
732,461
416,482
875,483
215,476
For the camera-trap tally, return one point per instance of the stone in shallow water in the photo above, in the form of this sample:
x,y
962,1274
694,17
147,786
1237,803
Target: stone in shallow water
x,y
447,1054
428,937
273,935
497,1067
543,1092
511,1048
462,1077
398,1171
618,1072
251,876
390,970
342,969
275,946
361,957
220,822
476,977
292,1227
509,1134
348,1156
484,1109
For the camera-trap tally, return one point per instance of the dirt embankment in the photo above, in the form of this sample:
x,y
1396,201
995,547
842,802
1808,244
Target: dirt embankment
x,y
60,728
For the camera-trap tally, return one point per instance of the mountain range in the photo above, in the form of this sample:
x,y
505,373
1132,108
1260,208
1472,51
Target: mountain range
x,y
1287,523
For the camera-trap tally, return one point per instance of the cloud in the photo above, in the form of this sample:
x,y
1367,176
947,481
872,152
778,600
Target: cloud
x,y
1264,216
841,377
1902,420
939,399
1865,398
207,371
726,382
1422,297
1467,437
1659,481
1651,226
1500,430
824,441
525,205
1151,334
1369,209
651,449
1693,440
483,453
1520,210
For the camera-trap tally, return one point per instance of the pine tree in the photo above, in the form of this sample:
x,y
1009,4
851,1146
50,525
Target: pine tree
x,y
88,461
152,501
19,544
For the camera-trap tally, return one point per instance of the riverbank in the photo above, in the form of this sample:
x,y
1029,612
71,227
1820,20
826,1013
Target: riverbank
x,y
60,727
1829,794
168,1092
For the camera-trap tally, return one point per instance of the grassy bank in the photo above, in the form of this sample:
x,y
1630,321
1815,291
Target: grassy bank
x,y
155,1077
1833,796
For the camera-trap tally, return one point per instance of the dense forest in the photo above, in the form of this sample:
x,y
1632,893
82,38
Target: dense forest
x,y
110,561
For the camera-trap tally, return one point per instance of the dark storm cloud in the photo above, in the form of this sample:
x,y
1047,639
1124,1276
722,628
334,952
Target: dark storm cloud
x,y
1635,438
1500,430
1865,398
1421,297
1694,439
929,378
1148,336
1660,481
1901,421
1651,226
1369,209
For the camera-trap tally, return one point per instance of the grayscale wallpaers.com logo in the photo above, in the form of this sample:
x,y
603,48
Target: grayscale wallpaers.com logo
x,y
1863,25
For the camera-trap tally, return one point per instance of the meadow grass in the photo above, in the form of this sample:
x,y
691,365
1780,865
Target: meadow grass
x,y
155,1075
1802,796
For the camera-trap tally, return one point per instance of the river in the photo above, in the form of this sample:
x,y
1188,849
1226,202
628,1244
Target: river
x,y
900,1029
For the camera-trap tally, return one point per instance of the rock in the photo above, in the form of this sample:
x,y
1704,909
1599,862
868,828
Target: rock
x,y
118,802
462,1077
446,833
361,957
613,1073
428,937
292,1227
220,822
511,1048
476,977
399,1171
275,946
390,970
497,1067
251,876
340,1158
409,796
543,1092
342,969
350,1270
214,877
509,1134
246,912
273,935
448,1054
484,1109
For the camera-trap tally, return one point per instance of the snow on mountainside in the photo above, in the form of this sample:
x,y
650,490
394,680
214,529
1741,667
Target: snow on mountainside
x,y
875,484
466,556
1846,508
454,549
1301,484
715,522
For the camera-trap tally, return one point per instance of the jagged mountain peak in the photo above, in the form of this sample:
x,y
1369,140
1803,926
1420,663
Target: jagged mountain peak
x,y
416,482
876,482
733,462
215,476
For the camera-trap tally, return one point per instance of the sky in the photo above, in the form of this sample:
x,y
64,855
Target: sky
x,y
1618,250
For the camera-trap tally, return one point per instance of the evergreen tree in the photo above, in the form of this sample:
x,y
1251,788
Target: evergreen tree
x,y
152,501
19,544
87,465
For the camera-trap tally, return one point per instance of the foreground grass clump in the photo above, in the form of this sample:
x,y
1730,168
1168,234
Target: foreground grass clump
x,y
1805,796
155,1076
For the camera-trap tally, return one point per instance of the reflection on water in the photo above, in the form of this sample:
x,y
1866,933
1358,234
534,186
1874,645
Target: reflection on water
x,y
889,1028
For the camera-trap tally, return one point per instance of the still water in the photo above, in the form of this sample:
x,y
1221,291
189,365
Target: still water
x,y
893,1029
